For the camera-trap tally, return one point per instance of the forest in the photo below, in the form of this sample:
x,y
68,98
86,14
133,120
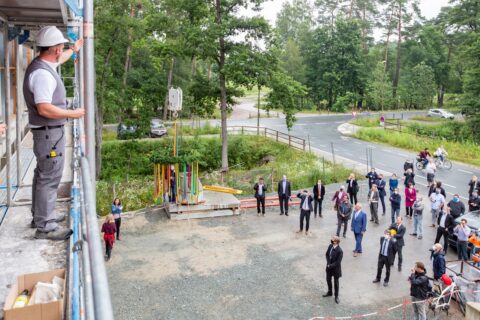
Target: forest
x,y
319,55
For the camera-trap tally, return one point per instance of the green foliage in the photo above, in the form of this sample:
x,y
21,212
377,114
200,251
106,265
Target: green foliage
x,y
380,88
418,87
285,94
345,102
467,152
372,122
471,86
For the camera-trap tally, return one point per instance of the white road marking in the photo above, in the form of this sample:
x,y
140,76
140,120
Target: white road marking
x,y
358,142
469,172
421,176
449,185
348,153
423,184
404,155
381,163
386,150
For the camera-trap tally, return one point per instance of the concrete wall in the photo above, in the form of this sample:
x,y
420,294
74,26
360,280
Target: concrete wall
x,y
473,311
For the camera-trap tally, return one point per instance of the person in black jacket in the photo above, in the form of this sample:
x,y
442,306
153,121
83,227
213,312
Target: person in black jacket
x,y
420,289
306,208
408,177
260,191
395,202
372,176
352,188
343,215
437,185
284,194
408,165
381,184
386,257
473,185
457,208
399,238
318,194
474,202
334,257
445,227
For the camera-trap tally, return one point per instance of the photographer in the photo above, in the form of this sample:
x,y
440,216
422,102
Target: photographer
x,y
463,232
419,290
305,209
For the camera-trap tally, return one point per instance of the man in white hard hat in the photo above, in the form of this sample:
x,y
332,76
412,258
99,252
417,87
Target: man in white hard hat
x,y
45,96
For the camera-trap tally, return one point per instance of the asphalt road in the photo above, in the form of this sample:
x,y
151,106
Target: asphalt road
x,y
321,130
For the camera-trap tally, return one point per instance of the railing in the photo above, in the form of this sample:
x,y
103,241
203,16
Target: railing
x,y
292,141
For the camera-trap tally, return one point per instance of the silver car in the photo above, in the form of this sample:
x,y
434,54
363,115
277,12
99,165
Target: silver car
x,y
157,128
440,113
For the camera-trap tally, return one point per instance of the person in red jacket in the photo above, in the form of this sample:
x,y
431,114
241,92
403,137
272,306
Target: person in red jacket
x,y
109,228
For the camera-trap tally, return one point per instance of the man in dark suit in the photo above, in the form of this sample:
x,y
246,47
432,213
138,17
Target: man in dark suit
x,y
306,208
372,176
446,223
334,257
359,226
381,184
284,193
260,190
398,237
318,194
385,257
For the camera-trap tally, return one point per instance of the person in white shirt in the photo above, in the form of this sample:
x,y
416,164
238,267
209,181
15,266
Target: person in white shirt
x,y
430,170
437,201
305,209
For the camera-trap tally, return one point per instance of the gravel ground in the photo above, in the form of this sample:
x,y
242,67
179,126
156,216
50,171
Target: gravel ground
x,y
250,267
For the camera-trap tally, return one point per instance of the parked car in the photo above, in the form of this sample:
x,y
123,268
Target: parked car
x,y
125,131
440,113
473,222
157,128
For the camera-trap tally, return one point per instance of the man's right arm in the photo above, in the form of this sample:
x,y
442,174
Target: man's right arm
x,y
50,111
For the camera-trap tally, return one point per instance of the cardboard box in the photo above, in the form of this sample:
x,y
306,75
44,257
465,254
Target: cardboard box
x,y
44,311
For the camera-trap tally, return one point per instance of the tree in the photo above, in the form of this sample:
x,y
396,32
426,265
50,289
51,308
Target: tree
x,y
227,23
418,87
291,61
294,20
285,94
380,88
471,86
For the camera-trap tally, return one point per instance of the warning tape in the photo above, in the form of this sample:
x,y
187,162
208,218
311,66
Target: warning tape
x,y
383,311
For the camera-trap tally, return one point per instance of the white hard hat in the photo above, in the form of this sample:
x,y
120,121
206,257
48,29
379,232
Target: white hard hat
x,y
49,37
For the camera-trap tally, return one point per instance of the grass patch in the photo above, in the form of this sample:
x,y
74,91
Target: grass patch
x,y
197,131
366,122
128,170
466,152
429,119
108,135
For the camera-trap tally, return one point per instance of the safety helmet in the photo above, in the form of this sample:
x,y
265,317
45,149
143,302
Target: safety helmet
x,y
49,36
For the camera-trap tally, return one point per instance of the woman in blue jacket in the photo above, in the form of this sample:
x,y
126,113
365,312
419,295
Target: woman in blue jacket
x,y
117,211
393,183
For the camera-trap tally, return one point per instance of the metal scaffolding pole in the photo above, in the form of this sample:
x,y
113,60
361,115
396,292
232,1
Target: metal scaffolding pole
x,y
8,108
89,81
19,112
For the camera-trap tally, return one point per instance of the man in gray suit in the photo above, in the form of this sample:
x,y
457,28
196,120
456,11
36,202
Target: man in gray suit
x,y
306,208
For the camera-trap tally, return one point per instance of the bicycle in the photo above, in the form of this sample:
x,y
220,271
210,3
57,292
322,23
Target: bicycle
x,y
446,164
440,299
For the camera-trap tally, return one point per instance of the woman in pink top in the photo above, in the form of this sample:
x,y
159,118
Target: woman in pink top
x,y
410,198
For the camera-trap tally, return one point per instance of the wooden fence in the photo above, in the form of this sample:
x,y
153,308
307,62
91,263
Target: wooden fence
x,y
292,141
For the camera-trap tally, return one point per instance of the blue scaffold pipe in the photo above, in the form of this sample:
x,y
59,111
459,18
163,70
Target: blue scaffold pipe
x,y
75,216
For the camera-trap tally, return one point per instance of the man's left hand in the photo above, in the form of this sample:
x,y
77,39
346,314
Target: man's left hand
x,y
77,45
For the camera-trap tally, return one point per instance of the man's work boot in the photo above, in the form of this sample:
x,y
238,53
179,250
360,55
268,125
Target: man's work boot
x,y
57,234
60,218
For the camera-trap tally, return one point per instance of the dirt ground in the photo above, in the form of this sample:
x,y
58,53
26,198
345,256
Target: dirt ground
x,y
250,267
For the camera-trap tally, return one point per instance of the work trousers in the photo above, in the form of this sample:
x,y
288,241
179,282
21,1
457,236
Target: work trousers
x,y
331,275
400,256
47,176
339,226
283,201
118,223
374,211
383,261
442,232
317,206
261,204
304,214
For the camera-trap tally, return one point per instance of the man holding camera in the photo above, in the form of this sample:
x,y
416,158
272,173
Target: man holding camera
x,y
463,232
306,208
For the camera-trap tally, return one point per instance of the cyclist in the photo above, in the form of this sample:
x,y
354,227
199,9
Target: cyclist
x,y
441,153
424,155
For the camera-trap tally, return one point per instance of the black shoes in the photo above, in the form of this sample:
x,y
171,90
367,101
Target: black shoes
x,y
286,213
376,281
385,284
399,268
337,301
328,294
281,213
